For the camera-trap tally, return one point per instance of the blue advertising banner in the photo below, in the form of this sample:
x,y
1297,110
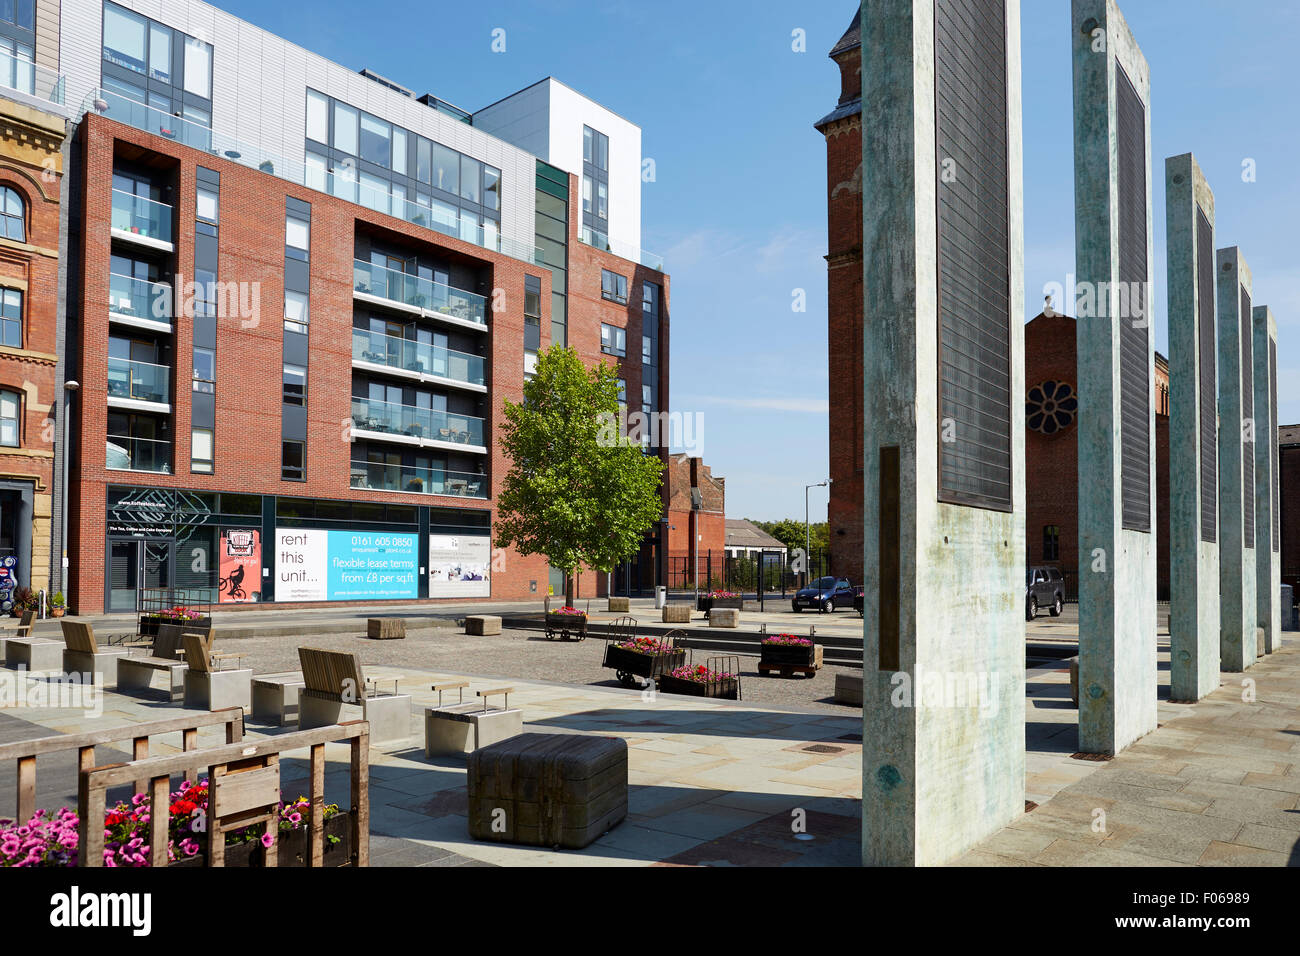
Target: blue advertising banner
x,y
319,565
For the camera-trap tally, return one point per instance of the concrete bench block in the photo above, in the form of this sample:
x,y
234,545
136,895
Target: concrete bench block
x,y
135,674
620,605
389,717
386,629
724,617
454,731
217,690
275,698
101,667
34,654
848,689
677,614
482,625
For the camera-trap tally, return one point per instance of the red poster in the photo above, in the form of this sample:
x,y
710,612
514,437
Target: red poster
x,y
241,566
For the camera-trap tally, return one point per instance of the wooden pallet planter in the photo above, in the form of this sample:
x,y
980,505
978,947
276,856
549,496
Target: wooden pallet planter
x,y
790,659
385,628
149,623
566,627
728,689
292,848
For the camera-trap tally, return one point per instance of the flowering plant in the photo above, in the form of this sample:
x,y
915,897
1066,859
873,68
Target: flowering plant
x,y
788,640
700,674
46,841
647,645
180,613
567,610
722,594
41,841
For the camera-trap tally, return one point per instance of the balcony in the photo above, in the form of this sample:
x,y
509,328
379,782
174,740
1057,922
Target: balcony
x,y
141,220
23,76
136,114
424,295
587,236
139,302
418,360
139,385
125,453
421,426
421,481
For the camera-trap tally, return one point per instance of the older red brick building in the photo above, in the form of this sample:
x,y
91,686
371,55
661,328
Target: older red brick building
x,y
691,530
31,191
842,128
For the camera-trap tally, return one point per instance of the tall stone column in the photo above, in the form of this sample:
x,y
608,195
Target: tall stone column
x,y
1193,432
1237,599
1116,359
1268,525
943,761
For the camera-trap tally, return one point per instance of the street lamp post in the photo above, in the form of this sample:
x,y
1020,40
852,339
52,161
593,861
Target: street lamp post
x,y
807,555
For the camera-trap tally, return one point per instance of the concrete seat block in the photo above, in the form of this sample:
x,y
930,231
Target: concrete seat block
x,y
848,689
275,698
620,605
482,625
101,667
449,732
724,617
135,674
389,717
218,689
677,614
34,654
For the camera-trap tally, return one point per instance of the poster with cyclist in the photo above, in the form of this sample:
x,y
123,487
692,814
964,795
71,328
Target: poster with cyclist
x,y
241,566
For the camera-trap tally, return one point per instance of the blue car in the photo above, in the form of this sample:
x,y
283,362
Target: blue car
x,y
825,595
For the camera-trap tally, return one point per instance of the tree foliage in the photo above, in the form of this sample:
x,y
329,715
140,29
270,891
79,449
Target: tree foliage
x,y
577,491
789,531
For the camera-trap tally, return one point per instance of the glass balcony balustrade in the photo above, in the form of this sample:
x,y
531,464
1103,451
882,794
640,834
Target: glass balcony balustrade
x,y
598,240
392,352
415,291
124,453
141,216
138,380
413,422
139,298
415,480
344,183
19,73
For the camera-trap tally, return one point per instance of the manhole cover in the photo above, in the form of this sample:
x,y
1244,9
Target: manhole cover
x,y
823,749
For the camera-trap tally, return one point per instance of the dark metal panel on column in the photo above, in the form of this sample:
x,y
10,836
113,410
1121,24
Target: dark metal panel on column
x,y
1247,415
1134,322
975,400
1276,509
1208,363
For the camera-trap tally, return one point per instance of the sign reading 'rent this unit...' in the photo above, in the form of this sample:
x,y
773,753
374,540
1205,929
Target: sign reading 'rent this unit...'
x,y
459,565
319,565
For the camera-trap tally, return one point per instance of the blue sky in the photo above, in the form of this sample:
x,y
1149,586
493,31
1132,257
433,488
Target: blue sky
x,y
739,206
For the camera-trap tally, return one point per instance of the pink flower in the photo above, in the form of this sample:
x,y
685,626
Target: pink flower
x,y
267,839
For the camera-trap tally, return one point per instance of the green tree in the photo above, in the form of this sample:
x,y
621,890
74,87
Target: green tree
x,y
578,491
790,532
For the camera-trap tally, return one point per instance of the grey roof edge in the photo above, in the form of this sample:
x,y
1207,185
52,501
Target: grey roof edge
x,y
851,108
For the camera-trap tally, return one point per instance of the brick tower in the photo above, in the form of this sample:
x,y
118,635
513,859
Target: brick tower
x,y
843,131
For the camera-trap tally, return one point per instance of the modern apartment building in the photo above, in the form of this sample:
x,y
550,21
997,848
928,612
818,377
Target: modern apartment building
x,y
298,296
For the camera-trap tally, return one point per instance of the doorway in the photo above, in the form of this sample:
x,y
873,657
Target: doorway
x,y
135,564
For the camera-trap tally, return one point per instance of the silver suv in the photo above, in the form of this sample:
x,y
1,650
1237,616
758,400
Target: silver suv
x,y
1044,587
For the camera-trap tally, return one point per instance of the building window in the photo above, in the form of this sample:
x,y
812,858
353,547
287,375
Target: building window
x,y
295,311
201,450
124,37
292,461
1051,543
1051,407
13,213
613,340
297,236
205,370
21,14
613,286
647,350
295,384
9,406
206,204
11,318
650,293
595,148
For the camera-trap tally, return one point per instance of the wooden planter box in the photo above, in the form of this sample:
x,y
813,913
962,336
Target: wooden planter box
x,y
787,655
292,849
649,666
566,626
707,604
724,689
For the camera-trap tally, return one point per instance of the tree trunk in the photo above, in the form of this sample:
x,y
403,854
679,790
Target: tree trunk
x,y
569,599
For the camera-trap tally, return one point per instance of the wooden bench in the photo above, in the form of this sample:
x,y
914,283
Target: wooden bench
x,y
333,680
209,683
32,653
463,728
82,654
547,789
165,653
275,697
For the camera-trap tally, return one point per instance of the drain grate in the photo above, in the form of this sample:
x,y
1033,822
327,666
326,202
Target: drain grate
x,y
823,749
